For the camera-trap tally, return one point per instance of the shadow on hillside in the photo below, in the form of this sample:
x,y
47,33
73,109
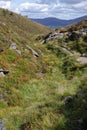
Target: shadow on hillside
x,y
75,110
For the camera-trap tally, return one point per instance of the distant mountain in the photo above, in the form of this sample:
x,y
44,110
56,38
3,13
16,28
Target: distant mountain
x,y
55,22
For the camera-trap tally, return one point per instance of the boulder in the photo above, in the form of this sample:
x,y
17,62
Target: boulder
x,y
3,72
18,51
74,36
2,126
1,96
13,46
68,99
32,51
54,36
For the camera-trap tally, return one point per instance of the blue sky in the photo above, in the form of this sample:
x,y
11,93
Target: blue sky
x,y
63,9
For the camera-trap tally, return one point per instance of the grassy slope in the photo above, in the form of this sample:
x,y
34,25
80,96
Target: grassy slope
x,y
19,29
35,88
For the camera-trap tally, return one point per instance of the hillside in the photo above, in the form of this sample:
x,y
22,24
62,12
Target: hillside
x,y
55,22
42,81
13,25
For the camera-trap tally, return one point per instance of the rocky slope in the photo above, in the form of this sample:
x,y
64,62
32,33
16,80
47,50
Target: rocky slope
x,y
73,37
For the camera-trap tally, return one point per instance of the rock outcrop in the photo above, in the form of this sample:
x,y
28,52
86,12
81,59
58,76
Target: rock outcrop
x,y
51,36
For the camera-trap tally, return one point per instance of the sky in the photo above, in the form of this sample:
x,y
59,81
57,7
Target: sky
x,y
62,9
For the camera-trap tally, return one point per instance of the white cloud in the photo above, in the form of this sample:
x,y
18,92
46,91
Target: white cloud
x,y
5,4
71,1
64,9
81,6
48,1
33,7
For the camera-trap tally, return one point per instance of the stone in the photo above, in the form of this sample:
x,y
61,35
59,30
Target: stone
x,y
74,36
35,53
1,96
40,75
18,51
13,46
1,50
68,99
32,51
80,121
26,50
2,74
55,36
2,126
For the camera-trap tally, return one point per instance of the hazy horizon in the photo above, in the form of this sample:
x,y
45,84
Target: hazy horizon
x,y
58,18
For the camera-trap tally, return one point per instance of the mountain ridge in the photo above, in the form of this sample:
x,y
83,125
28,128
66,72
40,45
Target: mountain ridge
x,y
54,22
